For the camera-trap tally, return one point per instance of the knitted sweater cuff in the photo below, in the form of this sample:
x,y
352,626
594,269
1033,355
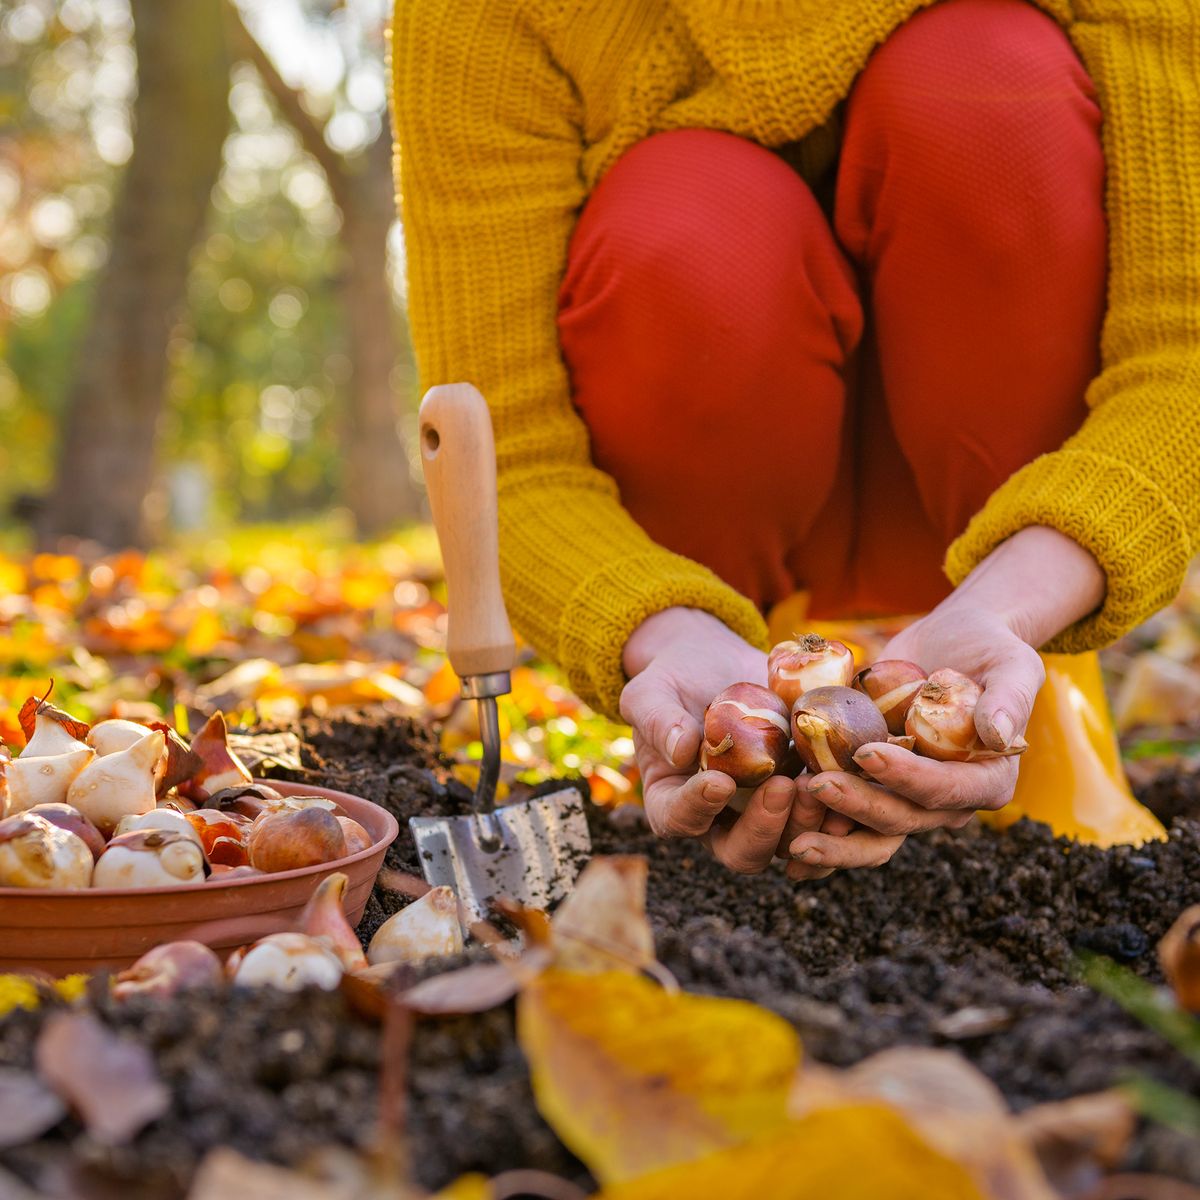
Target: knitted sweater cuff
x,y
592,639
1130,526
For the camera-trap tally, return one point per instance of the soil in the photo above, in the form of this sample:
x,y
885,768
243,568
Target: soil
x,y
968,939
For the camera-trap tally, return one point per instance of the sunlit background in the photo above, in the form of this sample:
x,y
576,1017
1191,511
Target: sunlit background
x,y
259,363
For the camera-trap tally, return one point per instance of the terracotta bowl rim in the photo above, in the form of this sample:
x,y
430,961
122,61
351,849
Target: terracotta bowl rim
x,y
391,832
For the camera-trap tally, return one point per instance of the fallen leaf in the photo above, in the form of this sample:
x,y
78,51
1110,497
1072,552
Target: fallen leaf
x,y
1076,1141
602,924
36,707
1179,954
951,1104
224,1174
1156,690
111,1083
476,988
28,1108
856,1152
633,1078
266,752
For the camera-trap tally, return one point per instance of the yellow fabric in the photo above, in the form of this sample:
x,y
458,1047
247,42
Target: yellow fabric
x,y
507,112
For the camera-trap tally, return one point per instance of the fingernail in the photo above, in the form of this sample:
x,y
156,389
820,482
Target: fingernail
x,y
869,760
672,742
810,857
1002,723
777,798
826,785
717,789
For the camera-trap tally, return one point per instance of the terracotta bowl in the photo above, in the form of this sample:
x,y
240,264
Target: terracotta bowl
x,y
59,930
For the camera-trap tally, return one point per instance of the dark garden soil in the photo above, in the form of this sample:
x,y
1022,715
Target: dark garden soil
x,y
967,939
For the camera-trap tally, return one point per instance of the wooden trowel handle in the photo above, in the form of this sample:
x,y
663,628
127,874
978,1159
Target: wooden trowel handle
x,y
458,456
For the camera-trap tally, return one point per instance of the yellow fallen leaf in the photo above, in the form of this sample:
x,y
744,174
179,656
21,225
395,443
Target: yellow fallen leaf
x,y
466,1187
633,1078
857,1152
602,924
17,991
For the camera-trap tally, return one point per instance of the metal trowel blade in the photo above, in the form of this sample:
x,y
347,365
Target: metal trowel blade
x,y
544,844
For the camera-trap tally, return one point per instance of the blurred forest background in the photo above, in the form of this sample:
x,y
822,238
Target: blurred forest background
x,y
200,269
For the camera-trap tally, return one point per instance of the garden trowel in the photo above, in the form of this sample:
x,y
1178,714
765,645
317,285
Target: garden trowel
x,y
530,851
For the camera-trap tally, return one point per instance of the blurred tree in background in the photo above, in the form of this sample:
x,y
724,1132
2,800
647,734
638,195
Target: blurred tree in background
x,y
286,365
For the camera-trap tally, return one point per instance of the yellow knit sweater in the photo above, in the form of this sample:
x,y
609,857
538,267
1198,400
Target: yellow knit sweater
x,y
507,112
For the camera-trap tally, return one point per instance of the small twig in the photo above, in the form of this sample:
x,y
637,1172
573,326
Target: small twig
x,y
391,1151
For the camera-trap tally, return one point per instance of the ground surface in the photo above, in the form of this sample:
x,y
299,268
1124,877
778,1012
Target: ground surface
x,y
964,939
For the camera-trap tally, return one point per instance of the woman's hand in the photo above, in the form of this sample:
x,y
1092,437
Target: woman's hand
x,y
678,660
1030,588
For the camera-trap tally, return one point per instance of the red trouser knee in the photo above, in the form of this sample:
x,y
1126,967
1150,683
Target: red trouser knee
x,y
713,322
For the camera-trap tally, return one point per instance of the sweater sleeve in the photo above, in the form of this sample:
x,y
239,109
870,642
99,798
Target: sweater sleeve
x,y
489,148
1127,485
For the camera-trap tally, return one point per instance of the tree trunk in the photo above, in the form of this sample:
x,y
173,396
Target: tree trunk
x,y
378,486
106,461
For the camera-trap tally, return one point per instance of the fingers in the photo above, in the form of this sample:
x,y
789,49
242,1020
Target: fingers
x,y
1010,686
747,845
807,813
818,852
651,705
686,805
938,785
854,800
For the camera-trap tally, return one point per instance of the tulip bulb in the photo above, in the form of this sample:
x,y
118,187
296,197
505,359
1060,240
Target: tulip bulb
x,y
32,781
324,918
158,818
72,820
115,735
891,683
284,841
427,928
248,799
48,729
829,725
168,970
288,961
150,858
1179,955
809,662
357,838
37,854
221,872
51,738
941,720
119,784
746,734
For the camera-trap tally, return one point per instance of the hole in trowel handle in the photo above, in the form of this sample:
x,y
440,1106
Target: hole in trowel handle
x,y
431,440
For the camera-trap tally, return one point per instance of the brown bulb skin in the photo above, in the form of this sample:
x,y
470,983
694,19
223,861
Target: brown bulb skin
x,y
829,724
891,683
284,841
745,734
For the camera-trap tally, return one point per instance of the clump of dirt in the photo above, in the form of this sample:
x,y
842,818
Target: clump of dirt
x,y
966,939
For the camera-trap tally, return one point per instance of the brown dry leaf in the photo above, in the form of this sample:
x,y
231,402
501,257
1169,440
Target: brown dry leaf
x,y
225,1173
28,1108
1179,954
1156,690
476,988
633,1078
182,761
112,1084
953,1105
266,752
856,1152
1077,1140
602,925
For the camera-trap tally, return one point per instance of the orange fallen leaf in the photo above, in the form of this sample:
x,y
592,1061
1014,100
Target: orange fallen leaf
x,y
633,1078
1179,954
856,1152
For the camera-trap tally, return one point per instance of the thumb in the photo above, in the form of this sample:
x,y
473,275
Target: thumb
x,y
650,703
1010,686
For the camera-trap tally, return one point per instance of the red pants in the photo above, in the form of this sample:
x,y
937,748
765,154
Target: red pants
x,y
822,403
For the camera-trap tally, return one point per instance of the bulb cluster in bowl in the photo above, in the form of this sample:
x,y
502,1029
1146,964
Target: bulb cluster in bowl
x,y
816,713
125,805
